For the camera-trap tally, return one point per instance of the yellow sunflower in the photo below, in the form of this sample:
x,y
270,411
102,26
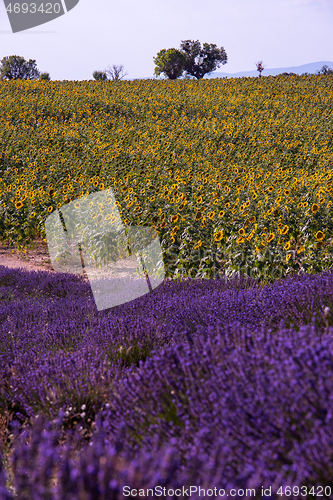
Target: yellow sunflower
x,y
219,236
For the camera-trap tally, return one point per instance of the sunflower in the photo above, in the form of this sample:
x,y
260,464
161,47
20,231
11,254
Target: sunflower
x,y
219,236
32,214
221,213
241,232
320,236
19,204
315,208
211,215
199,200
270,237
174,218
287,245
285,230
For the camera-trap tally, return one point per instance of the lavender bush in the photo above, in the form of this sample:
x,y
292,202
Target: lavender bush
x,y
204,383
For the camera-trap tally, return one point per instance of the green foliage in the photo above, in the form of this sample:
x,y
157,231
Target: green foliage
x,y
100,75
170,62
202,60
17,68
45,77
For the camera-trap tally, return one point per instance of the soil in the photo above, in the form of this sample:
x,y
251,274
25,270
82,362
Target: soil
x,y
37,259
34,259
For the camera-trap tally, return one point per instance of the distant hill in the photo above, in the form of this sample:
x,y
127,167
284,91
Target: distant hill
x,y
304,68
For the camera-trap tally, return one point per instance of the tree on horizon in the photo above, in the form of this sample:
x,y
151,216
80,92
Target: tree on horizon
x,y
260,67
17,68
201,61
170,62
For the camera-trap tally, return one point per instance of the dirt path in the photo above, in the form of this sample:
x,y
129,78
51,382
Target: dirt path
x,y
36,259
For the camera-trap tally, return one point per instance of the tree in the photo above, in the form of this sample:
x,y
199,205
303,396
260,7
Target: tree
x,y
17,68
45,77
115,73
170,62
260,68
202,60
100,75
325,70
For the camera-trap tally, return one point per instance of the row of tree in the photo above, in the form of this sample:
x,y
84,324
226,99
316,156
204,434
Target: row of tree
x,y
194,60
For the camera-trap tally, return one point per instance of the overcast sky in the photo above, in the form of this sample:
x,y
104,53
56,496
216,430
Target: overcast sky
x,y
98,33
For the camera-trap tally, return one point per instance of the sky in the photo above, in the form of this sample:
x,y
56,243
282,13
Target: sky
x,y
99,33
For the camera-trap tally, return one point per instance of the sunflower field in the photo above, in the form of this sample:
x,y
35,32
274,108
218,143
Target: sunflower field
x,y
235,175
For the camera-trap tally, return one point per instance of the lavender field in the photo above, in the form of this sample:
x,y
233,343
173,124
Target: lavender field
x,y
210,383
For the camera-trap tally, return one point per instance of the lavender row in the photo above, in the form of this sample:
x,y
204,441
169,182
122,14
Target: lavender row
x,y
229,407
58,351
